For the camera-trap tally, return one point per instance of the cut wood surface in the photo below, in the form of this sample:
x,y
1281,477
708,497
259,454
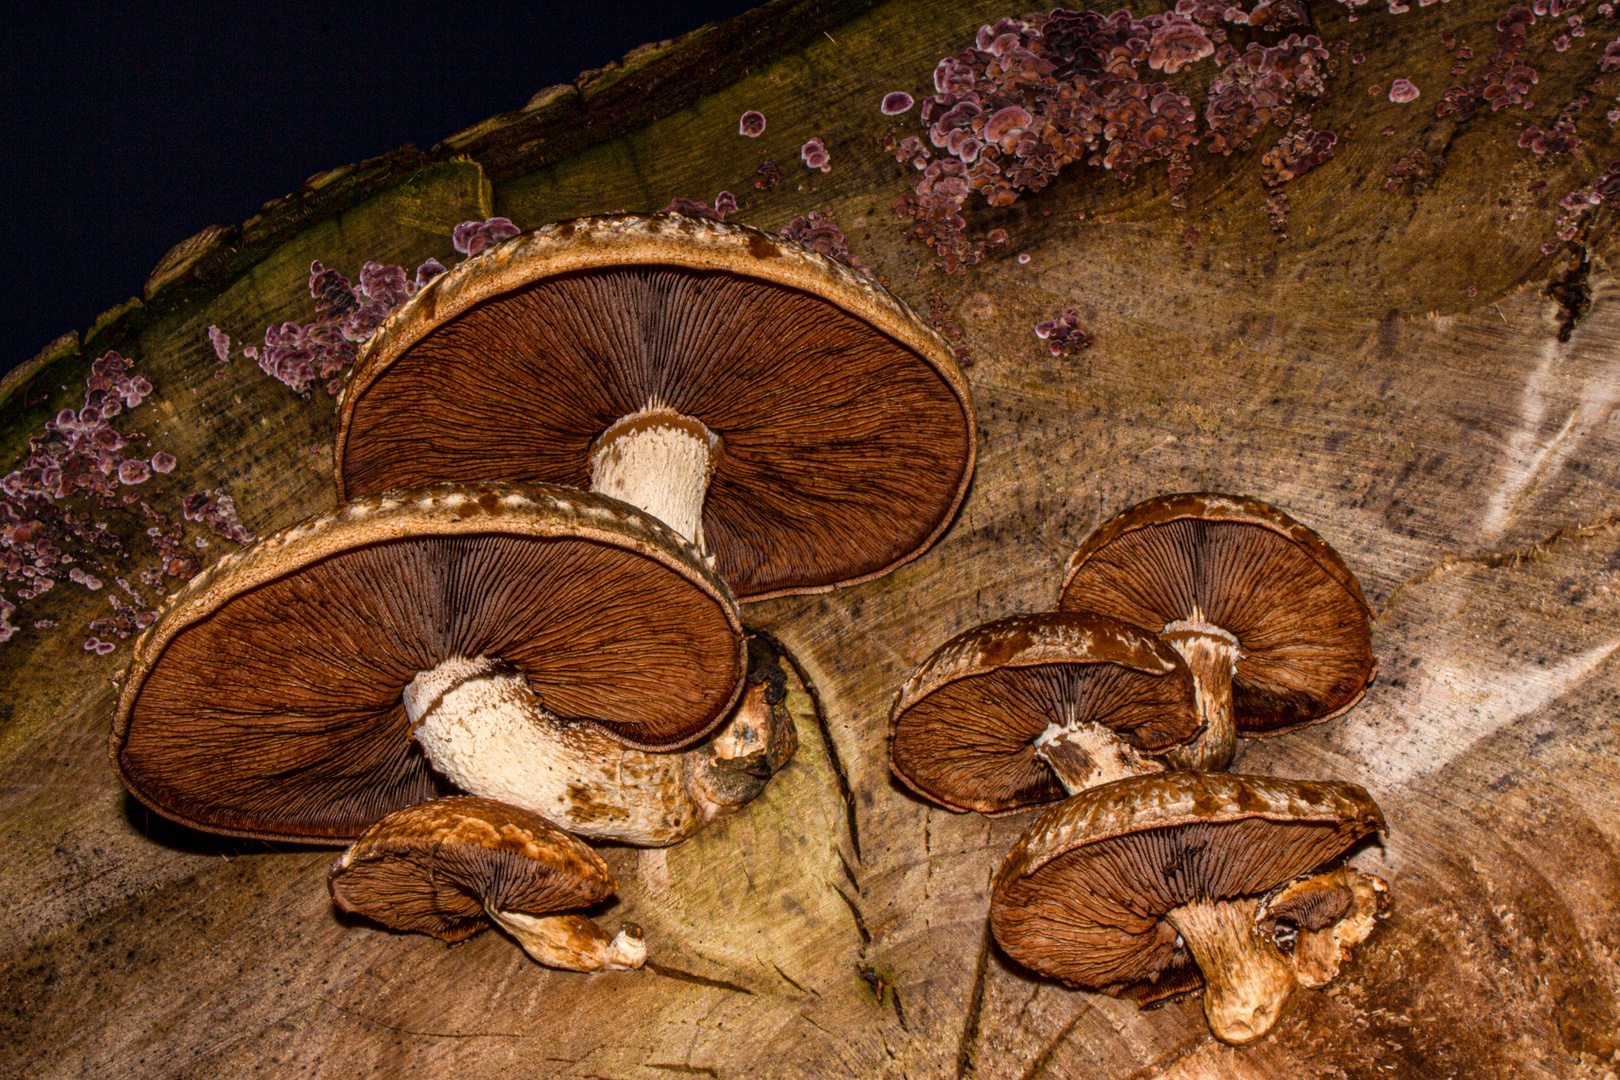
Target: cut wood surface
x,y
1462,459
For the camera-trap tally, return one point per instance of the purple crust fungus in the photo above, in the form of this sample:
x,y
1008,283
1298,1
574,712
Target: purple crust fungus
x,y
1402,91
789,417
471,237
896,102
1063,335
751,124
815,155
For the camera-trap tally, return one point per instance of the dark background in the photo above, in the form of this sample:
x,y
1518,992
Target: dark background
x,y
124,130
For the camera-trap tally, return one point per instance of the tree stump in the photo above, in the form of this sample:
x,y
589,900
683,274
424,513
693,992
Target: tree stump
x,y
1396,374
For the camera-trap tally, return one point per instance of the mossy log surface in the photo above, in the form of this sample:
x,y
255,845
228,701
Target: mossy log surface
x,y
1462,459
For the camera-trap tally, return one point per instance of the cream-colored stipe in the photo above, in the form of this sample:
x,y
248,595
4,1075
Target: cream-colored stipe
x,y
662,468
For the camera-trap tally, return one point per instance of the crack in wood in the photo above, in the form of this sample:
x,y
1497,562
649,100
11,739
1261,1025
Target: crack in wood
x,y
790,980
967,1049
689,1070
1044,1058
1494,560
699,980
855,912
844,791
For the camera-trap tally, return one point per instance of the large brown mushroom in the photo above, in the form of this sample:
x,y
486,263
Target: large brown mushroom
x,y
535,644
1272,623
793,420
1127,886
1026,709
450,867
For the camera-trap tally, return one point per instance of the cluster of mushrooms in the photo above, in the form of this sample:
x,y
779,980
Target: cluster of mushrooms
x,y
561,469
1183,622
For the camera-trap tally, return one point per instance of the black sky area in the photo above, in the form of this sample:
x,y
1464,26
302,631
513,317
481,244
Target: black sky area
x,y
128,128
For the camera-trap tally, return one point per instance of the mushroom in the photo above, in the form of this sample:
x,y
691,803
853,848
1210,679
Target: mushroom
x,y
1271,622
529,643
450,867
797,423
1317,919
1130,884
1025,709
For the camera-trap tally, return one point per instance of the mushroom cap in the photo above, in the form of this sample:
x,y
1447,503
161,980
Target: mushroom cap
x,y
962,729
433,867
1082,895
1303,626
265,702
846,426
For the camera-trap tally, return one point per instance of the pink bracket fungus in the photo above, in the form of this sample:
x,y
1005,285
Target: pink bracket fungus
x,y
751,124
1402,91
1152,886
1272,623
896,102
815,156
534,644
786,415
450,867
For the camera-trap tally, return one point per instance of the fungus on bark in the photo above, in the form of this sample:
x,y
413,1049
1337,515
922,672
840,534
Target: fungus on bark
x,y
450,867
504,635
1273,625
1028,709
796,422
1129,887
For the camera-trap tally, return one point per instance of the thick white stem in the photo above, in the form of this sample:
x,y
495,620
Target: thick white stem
x,y
1246,980
573,942
1087,755
661,461
484,729
1212,655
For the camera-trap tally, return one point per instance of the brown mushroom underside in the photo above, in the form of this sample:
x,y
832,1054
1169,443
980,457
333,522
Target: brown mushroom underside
x,y
842,451
432,868
275,712
1090,912
1301,621
964,727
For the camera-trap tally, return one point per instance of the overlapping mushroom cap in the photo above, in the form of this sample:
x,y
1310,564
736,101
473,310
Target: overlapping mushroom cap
x,y
963,728
266,702
843,429
434,868
1083,897
1301,623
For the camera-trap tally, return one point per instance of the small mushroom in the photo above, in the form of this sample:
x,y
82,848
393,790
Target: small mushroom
x,y
1272,623
452,866
1027,709
539,645
1317,919
1126,887
797,423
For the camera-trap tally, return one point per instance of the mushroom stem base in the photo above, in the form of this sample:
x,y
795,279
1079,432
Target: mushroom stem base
x,y
573,942
1246,980
1086,755
660,461
1212,655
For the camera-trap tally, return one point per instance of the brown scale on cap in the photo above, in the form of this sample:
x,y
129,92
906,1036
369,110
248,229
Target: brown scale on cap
x,y
1272,623
1026,709
451,867
1138,887
813,432
268,701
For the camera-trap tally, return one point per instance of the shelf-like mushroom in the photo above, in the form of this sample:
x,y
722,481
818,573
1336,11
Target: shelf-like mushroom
x,y
535,644
1026,709
450,867
796,422
1127,886
1273,625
